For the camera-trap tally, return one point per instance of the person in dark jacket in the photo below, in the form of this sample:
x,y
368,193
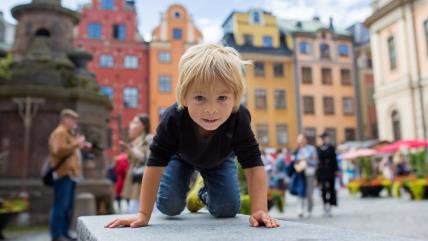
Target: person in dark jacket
x,y
326,173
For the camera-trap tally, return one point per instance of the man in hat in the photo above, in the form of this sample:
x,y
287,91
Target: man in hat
x,y
64,145
326,173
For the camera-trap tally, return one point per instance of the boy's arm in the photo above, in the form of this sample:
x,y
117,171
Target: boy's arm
x,y
257,188
149,187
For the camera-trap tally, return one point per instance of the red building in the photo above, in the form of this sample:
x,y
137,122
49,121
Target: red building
x,y
108,30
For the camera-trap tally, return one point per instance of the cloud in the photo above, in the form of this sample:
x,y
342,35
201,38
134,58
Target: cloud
x,y
344,12
211,29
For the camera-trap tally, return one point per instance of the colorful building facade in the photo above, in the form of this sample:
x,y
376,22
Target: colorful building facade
x,y
270,86
399,46
324,74
108,30
170,39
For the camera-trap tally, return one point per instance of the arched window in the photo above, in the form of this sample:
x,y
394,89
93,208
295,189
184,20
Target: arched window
x,y
396,129
43,32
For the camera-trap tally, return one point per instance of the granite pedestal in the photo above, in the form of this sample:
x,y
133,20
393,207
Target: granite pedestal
x,y
202,226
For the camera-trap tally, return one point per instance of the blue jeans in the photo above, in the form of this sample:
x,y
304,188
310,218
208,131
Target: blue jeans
x,y
64,191
221,183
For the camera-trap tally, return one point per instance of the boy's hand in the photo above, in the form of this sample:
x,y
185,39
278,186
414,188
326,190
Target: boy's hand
x,y
260,218
140,220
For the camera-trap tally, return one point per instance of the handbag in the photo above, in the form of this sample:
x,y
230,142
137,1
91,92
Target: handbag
x,y
48,178
137,172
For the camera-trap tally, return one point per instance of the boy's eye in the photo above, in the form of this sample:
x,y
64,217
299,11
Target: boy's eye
x,y
222,98
199,98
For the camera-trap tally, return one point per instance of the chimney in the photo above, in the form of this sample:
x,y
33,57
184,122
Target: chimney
x,y
331,24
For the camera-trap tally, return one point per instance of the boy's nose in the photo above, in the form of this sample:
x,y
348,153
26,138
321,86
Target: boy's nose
x,y
210,109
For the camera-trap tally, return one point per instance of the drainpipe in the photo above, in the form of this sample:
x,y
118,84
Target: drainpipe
x,y
357,93
297,87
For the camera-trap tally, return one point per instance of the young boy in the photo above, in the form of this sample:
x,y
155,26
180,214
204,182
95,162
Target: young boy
x,y
204,130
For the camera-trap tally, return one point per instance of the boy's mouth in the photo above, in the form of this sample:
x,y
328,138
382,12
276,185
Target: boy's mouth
x,y
209,120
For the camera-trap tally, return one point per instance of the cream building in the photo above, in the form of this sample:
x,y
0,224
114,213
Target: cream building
x,y
399,46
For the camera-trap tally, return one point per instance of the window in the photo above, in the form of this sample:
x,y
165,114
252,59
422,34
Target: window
x,y
164,57
165,84
2,32
348,105
177,33
262,132
280,99
119,31
107,4
304,47
94,30
108,91
130,97
426,35
349,134
331,131
256,17
130,62
267,41
248,39
326,77
260,99
311,135
328,103
306,75
281,134
392,53
343,50
278,69
106,61
396,126
345,76
325,51
177,14
308,105
259,68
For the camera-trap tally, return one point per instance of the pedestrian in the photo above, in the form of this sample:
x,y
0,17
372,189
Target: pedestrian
x,y
63,145
326,173
137,150
120,171
203,131
304,165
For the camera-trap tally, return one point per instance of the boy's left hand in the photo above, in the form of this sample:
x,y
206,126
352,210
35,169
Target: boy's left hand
x,y
260,218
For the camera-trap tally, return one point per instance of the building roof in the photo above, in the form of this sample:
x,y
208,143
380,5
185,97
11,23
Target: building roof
x,y
229,40
306,26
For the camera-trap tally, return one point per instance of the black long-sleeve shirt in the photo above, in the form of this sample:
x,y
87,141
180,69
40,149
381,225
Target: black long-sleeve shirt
x,y
177,135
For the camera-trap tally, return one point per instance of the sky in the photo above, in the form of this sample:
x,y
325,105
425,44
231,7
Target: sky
x,y
209,15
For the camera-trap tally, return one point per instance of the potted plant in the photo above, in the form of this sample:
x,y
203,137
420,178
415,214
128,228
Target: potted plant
x,y
9,208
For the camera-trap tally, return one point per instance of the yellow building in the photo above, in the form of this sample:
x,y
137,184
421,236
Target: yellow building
x,y
270,95
325,76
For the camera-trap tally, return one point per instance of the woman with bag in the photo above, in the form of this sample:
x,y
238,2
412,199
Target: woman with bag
x,y
138,151
302,170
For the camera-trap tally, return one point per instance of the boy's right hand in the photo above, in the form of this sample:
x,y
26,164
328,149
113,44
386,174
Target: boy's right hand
x,y
140,220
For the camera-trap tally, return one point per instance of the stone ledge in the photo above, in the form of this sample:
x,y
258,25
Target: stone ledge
x,y
202,226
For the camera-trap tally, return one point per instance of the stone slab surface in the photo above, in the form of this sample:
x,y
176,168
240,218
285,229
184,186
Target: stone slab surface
x,y
202,226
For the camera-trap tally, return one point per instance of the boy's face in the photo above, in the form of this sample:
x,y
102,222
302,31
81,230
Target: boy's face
x,y
210,109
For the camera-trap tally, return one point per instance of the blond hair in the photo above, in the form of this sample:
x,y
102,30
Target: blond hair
x,y
203,64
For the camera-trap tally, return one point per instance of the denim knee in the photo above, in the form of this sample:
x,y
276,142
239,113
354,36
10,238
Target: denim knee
x,y
169,207
224,210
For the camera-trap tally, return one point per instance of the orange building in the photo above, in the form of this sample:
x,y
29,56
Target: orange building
x,y
170,39
325,76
